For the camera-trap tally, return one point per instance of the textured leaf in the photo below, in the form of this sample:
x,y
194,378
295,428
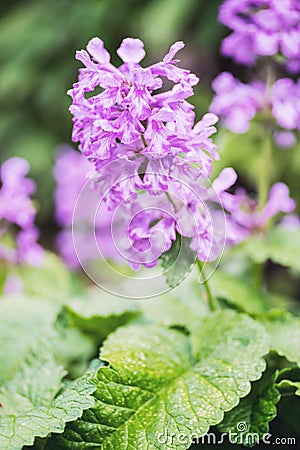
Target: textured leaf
x,y
280,246
284,330
99,313
27,321
178,261
160,379
19,430
23,321
251,417
237,293
35,384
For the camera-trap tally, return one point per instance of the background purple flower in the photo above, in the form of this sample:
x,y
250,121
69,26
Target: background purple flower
x,y
238,103
71,173
17,210
235,102
247,218
261,28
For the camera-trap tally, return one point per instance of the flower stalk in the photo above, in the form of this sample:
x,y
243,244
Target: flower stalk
x,y
211,300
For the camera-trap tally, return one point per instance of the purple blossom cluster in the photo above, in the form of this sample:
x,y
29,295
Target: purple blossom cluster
x,y
262,28
17,212
129,119
248,218
150,158
238,103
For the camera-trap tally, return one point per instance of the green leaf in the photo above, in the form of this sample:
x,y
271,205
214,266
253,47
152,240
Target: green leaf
x,y
237,292
280,245
35,384
73,349
160,379
178,261
287,385
250,419
23,321
51,280
284,330
288,380
98,313
19,430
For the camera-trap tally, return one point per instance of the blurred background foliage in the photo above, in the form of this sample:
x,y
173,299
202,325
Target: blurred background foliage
x,y
38,40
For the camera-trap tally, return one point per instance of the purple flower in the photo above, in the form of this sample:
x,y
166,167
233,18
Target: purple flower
x,y
129,118
17,209
291,222
72,172
238,103
284,139
13,285
151,160
149,226
261,28
246,217
286,103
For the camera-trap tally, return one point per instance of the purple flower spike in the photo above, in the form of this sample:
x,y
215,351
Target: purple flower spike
x,y
238,103
16,208
128,117
151,159
261,28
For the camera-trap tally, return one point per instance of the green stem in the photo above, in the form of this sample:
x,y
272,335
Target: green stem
x,y
171,200
213,304
144,140
264,174
266,157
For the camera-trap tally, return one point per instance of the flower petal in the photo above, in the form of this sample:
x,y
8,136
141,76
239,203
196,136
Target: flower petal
x,y
131,50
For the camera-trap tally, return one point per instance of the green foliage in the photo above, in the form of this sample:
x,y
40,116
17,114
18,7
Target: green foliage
x,y
178,261
284,330
182,306
249,421
237,292
159,379
98,315
39,419
23,322
51,280
279,245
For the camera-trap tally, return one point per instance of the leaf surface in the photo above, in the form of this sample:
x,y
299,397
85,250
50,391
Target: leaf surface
x,y
249,421
161,380
284,330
